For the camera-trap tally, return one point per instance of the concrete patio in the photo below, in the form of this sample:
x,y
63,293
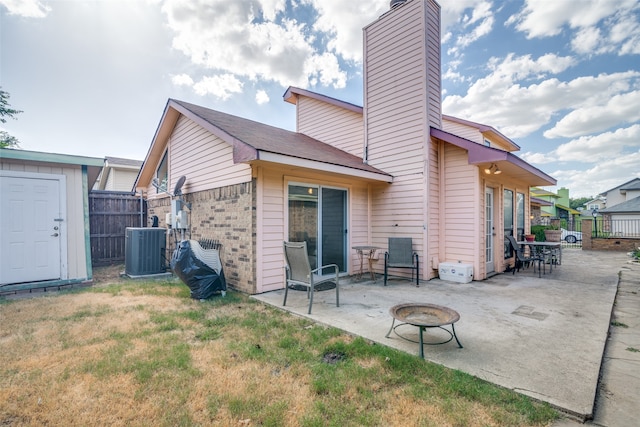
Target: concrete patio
x,y
543,337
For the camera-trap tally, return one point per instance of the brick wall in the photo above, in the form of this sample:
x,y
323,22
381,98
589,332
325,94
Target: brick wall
x,y
605,244
226,214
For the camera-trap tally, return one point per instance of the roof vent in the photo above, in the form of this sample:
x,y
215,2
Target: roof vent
x,y
395,3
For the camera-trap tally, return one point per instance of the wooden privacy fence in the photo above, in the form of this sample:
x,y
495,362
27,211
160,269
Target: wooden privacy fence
x,y
110,213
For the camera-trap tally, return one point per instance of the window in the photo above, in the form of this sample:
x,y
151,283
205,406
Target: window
x,y
162,174
520,215
508,221
487,143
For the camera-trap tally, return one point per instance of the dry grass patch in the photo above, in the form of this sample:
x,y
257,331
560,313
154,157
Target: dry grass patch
x,y
132,353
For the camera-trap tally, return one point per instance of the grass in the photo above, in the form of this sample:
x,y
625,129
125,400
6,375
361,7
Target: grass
x,y
147,354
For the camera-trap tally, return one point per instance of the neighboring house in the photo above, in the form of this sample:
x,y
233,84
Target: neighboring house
x,y
625,210
536,214
563,210
350,175
118,174
622,193
623,219
44,218
548,209
598,203
556,205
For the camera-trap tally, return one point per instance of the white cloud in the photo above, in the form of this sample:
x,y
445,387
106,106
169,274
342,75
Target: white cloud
x,y
537,158
343,21
182,80
606,145
546,19
254,40
221,86
482,15
262,97
622,108
26,8
516,110
604,174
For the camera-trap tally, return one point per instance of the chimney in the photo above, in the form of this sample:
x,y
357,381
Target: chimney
x,y
402,89
395,3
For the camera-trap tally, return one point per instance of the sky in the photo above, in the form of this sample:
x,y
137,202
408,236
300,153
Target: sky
x,y
561,78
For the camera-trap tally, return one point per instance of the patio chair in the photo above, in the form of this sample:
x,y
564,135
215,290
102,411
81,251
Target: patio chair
x,y
300,276
522,259
401,255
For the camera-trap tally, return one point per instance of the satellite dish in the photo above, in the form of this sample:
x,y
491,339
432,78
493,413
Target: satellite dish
x,y
177,191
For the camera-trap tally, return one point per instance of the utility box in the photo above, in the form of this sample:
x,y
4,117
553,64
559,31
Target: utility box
x,y
455,272
144,251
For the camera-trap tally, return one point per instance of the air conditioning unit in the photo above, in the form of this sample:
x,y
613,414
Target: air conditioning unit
x,y
144,251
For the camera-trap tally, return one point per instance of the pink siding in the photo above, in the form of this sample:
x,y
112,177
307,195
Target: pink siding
x,y
473,134
466,132
204,159
330,124
272,224
271,208
461,212
434,74
402,99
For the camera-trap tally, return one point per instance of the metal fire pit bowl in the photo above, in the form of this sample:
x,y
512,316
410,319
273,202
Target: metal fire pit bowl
x,y
424,316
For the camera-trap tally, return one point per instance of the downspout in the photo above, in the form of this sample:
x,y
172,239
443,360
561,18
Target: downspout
x,y
87,226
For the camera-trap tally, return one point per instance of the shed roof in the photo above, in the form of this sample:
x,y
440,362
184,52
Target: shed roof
x,y
93,164
510,163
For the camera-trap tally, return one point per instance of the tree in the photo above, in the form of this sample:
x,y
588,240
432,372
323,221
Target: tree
x,y
576,203
6,140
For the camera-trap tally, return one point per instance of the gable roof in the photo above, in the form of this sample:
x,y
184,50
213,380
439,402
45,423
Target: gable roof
x,y
485,130
253,141
630,206
479,154
633,184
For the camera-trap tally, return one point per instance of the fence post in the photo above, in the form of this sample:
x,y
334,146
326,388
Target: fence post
x,y
587,227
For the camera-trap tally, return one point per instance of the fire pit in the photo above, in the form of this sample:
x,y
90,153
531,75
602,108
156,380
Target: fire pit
x,y
424,316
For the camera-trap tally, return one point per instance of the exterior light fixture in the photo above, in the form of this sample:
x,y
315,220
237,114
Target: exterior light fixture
x,y
493,169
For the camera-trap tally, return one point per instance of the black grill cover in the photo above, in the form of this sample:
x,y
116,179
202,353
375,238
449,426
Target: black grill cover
x,y
198,276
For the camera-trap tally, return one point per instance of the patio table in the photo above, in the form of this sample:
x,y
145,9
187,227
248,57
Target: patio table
x,y
554,246
424,316
369,252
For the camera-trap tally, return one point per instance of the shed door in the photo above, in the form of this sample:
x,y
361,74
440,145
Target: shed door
x,y
29,232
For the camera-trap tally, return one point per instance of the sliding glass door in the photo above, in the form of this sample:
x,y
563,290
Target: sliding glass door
x,y
318,215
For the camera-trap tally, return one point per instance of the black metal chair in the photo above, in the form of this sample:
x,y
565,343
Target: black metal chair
x,y
301,276
401,255
522,259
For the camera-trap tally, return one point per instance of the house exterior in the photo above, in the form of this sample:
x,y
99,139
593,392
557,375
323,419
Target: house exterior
x,y
44,219
622,193
350,175
598,203
621,217
118,174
